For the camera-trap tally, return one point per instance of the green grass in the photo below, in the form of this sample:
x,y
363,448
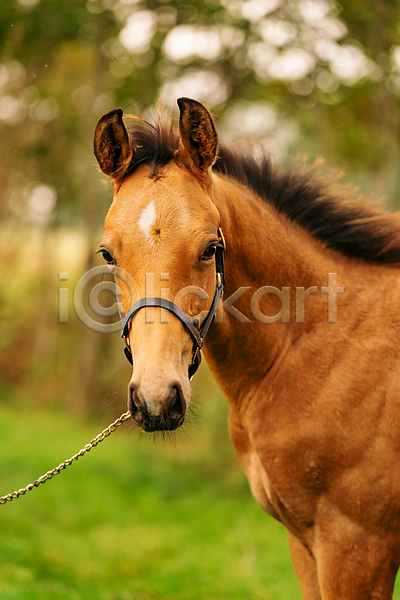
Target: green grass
x,y
134,519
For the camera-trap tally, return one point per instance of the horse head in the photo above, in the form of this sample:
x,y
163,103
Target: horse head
x,y
162,232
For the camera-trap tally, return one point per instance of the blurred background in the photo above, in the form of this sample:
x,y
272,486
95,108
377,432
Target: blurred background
x,y
316,77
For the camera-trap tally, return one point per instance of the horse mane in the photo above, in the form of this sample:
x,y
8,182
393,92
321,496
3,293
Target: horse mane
x,y
308,196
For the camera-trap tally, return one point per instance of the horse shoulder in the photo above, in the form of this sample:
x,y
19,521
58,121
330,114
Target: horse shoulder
x,y
257,477
260,483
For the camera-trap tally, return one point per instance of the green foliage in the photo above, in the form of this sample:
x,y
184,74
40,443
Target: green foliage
x,y
63,64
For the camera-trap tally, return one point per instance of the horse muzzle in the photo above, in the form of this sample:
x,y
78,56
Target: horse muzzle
x,y
164,411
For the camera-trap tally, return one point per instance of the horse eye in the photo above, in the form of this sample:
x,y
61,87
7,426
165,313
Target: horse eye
x,y
107,257
209,252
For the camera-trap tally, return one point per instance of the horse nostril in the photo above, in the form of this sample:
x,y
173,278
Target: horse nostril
x,y
133,404
176,409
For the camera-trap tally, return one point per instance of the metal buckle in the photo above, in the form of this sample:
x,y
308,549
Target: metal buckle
x,y
221,235
195,363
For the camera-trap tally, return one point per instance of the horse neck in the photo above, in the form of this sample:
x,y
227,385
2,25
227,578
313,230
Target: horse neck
x,y
263,249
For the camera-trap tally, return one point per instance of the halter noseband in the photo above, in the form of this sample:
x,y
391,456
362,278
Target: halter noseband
x,y
197,331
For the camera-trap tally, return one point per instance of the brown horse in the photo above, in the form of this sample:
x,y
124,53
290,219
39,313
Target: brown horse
x,y
306,350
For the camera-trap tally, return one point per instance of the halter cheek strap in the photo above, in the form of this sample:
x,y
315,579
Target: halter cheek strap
x,y
198,332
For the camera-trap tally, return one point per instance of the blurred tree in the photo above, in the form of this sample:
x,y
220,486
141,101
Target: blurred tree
x,y
329,72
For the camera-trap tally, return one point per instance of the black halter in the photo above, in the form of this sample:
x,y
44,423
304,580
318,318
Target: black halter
x,y
197,331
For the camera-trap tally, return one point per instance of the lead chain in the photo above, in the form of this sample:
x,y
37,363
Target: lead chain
x,y
50,474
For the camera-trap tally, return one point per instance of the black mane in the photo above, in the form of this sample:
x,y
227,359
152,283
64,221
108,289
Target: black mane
x,y
309,197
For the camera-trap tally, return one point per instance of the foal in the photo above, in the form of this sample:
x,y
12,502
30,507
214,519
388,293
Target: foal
x,y
306,350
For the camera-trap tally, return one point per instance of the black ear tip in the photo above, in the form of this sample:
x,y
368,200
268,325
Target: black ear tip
x,y
188,103
181,102
115,112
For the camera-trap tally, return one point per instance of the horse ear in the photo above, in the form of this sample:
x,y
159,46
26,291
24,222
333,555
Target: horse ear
x,y
111,143
198,136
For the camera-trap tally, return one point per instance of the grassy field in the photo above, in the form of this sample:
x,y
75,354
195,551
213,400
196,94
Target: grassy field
x,y
134,519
